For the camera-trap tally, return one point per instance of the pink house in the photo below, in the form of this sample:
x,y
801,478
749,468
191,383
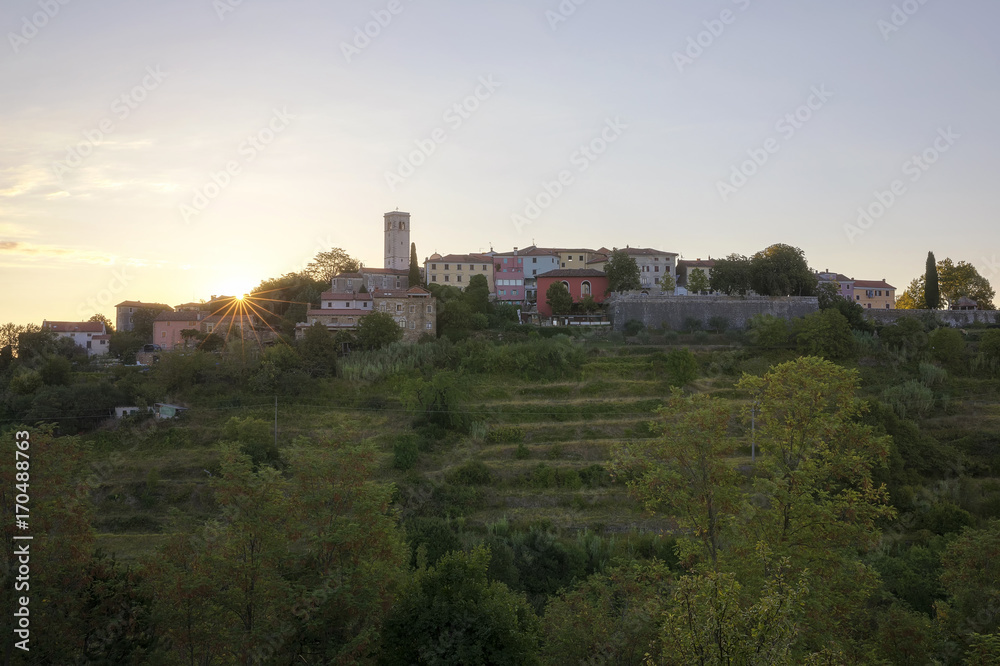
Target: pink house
x,y
167,327
580,282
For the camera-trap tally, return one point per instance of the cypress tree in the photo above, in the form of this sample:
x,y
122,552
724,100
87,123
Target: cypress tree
x,y
932,293
415,279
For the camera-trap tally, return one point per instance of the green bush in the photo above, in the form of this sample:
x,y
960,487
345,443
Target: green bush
x,y
522,452
544,476
472,473
681,367
595,476
947,345
825,333
633,327
989,344
405,451
931,375
909,400
768,331
505,434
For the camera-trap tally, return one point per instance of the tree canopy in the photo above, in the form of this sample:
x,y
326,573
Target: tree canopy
x,y
378,330
332,262
558,298
932,292
416,279
623,272
955,281
778,270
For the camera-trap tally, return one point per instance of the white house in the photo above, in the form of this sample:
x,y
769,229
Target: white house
x,y
89,335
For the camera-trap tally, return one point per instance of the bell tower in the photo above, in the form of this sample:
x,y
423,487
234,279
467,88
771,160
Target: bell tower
x,y
397,241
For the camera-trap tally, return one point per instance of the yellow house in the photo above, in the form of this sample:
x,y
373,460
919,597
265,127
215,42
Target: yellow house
x,y
875,294
457,269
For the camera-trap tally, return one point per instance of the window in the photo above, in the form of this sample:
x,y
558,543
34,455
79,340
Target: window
x,y
434,267
430,309
534,260
656,269
446,266
458,267
163,334
585,288
534,271
570,258
413,325
447,278
484,267
434,278
402,323
459,278
505,260
413,309
564,263
347,304
656,280
350,283
581,257
514,292
429,325
399,307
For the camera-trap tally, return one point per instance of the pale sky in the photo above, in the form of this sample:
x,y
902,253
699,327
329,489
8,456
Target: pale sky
x,y
115,116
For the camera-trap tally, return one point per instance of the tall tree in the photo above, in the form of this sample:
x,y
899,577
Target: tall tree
x,y
962,279
697,281
731,275
378,330
932,294
416,279
453,614
332,262
912,297
814,498
623,272
558,298
109,327
781,270
142,321
686,472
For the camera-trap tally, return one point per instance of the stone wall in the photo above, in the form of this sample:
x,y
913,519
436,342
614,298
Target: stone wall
x,y
656,310
953,318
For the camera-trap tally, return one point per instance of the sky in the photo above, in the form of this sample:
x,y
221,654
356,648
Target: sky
x,y
170,150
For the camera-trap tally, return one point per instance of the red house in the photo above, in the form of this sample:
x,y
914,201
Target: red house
x,y
580,282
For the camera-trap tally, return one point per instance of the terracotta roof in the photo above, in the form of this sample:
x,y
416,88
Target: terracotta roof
x,y
573,272
102,337
418,291
140,304
826,276
345,296
646,251
872,284
466,259
347,275
74,326
186,315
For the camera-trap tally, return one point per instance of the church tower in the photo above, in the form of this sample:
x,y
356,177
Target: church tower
x,y
397,241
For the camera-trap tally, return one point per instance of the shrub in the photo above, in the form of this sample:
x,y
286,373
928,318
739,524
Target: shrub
x,y
595,476
718,323
405,451
910,399
681,367
633,327
947,345
989,344
768,331
505,434
472,473
931,375
544,476
691,324
825,333
522,452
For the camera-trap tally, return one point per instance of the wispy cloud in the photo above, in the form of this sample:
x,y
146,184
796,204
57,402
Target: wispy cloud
x,y
30,252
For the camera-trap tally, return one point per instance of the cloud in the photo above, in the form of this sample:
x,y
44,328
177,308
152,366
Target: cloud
x,y
31,252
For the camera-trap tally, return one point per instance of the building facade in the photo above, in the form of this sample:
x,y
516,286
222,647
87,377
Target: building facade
x,y
125,310
875,294
89,335
414,310
581,282
167,328
844,284
654,265
457,269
